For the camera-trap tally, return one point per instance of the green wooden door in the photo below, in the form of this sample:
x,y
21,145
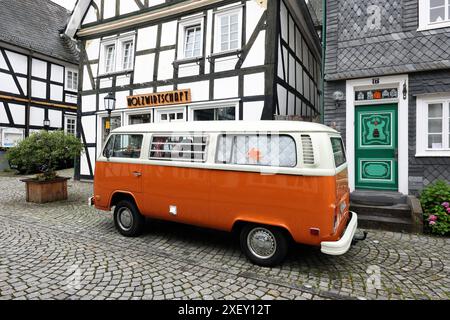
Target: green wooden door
x,y
376,147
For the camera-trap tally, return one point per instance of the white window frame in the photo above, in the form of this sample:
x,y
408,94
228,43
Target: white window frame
x,y
183,25
422,103
217,31
424,16
70,117
159,112
119,45
70,86
235,105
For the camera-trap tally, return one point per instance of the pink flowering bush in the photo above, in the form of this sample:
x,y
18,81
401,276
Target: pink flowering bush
x,y
435,201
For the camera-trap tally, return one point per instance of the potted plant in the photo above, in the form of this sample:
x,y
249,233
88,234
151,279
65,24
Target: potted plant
x,y
42,152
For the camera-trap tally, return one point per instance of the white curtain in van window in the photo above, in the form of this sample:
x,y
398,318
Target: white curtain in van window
x,y
276,151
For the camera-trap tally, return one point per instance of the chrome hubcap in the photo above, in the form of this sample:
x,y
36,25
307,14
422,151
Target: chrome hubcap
x,y
125,218
261,243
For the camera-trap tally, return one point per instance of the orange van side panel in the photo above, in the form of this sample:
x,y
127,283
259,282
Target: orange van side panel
x,y
219,198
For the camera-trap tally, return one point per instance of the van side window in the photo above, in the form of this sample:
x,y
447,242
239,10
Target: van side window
x,y
127,146
178,148
263,150
107,152
338,151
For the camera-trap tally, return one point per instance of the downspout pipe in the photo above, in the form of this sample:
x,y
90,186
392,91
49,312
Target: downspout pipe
x,y
324,47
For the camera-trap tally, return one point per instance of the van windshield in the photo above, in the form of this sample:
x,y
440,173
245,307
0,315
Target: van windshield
x,y
338,151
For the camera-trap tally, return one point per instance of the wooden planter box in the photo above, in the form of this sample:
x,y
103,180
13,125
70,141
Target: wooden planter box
x,y
46,191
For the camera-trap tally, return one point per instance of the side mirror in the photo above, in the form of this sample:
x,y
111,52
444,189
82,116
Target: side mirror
x,y
108,153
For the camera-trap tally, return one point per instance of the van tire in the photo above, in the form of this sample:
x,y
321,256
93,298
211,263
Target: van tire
x,y
127,219
267,257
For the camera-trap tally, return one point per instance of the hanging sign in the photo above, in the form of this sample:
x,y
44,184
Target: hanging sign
x,y
159,99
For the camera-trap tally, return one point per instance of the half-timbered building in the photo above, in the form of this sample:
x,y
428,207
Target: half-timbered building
x,y
38,70
192,61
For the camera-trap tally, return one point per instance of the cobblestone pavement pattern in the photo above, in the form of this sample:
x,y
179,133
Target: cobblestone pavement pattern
x,y
67,250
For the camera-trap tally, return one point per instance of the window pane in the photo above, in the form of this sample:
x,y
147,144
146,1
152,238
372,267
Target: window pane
x,y
435,141
437,14
180,116
338,151
178,148
75,80
435,110
437,3
263,150
164,117
226,113
127,146
203,114
107,152
127,52
109,59
139,118
435,126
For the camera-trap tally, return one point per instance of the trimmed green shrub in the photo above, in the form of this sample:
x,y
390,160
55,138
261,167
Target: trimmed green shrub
x,y
435,201
42,152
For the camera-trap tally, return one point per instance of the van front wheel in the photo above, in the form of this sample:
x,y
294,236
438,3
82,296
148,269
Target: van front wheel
x,y
127,219
264,245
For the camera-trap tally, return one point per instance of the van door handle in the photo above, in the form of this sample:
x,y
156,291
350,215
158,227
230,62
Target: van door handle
x,y
137,173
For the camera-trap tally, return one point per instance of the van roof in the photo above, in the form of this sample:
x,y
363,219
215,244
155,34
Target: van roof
x,y
225,126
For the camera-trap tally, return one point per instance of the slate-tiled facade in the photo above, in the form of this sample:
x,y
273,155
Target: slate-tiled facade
x,y
361,46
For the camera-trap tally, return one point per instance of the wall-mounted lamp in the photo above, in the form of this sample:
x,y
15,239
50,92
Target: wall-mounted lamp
x,y
46,124
338,96
110,104
405,90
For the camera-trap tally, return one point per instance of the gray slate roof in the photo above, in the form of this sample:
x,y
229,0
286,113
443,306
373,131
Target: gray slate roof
x,y
36,25
358,46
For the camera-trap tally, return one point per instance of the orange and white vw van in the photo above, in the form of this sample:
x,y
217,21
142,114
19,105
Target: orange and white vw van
x,y
271,181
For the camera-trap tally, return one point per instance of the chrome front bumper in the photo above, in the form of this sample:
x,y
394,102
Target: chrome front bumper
x,y
341,246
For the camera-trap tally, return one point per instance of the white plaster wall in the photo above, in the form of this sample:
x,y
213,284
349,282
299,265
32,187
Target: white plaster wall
x,y
92,48
128,6
122,81
165,67
199,90
86,81
39,68
110,9
55,118
57,73
256,54
226,88
169,33
186,70
3,64
254,84
38,89
37,116
7,83
282,92
88,123
121,99
225,64
105,83
56,92
254,13
3,116
88,103
90,15
143,71
146,38
252,111
291,104
18,61
18,113
71,98
23,84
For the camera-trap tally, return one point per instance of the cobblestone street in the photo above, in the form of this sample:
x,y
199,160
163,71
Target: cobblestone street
x,y
67,250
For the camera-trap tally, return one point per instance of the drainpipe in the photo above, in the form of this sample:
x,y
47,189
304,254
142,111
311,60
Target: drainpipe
x,y
324,46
